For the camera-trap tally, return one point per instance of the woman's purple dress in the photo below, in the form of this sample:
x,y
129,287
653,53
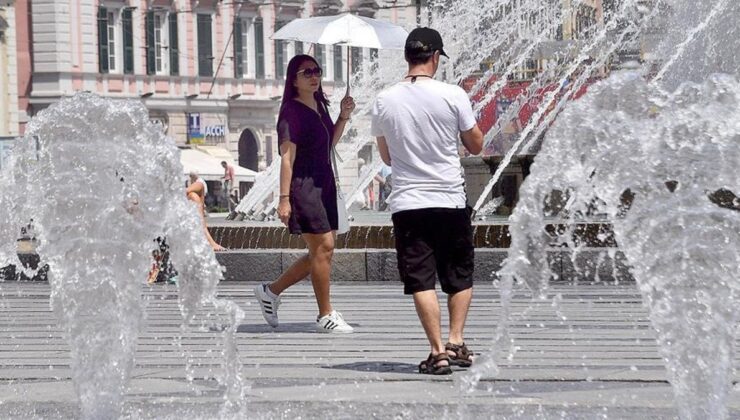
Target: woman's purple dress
x,y
313,191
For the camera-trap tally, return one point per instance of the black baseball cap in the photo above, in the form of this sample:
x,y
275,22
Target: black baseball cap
x,y
430,40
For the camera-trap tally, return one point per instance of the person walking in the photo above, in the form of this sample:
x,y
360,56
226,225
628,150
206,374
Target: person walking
x,y
228,184
417,123
308,195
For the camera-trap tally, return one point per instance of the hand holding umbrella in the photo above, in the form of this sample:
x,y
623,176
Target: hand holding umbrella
x,y
346,107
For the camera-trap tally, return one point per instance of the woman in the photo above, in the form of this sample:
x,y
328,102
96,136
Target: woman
x,y
308,195
196,192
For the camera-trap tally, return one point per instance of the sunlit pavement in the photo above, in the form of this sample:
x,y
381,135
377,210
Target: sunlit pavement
x,y
592,356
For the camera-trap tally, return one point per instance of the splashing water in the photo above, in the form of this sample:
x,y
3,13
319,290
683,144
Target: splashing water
x,y
652,161
101,182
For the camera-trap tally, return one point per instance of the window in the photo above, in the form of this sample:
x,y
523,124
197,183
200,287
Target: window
x,y
174,47
205,46
242,46
160,43
111,29
128,41
281,54
115,41
338,64
319,53
259,48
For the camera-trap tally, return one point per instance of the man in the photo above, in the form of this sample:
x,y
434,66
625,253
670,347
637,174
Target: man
x,y
417,123
228,183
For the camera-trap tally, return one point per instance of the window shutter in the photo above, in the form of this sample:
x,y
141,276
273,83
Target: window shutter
x,y
151,57
205,52
338,67
318,53
238,57
356,59
128,41
259,48
279,59
174,46
298,47
102,40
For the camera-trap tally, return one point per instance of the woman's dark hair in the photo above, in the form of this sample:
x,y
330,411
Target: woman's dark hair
x,y
291,91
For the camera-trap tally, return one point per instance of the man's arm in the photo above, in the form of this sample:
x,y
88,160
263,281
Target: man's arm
x,y
385,155
472,140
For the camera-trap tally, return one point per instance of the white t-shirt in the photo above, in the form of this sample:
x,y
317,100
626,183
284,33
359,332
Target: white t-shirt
x,y
421,123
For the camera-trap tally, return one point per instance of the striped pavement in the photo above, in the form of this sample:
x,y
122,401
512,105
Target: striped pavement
x,y
591,356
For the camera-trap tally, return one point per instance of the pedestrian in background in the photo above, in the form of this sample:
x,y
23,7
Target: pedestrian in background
x,y
196,192
228,184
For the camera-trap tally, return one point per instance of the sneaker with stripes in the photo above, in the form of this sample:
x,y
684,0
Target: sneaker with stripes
x,y
268,304
333,323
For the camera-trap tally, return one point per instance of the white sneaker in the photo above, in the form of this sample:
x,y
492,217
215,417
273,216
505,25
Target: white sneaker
x,y
333,323
268,304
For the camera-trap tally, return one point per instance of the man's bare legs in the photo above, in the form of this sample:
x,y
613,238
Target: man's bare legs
x,y
458,305
427,307
318,264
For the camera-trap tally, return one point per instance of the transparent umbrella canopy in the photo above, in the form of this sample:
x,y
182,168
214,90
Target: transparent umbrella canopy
x,y
344,29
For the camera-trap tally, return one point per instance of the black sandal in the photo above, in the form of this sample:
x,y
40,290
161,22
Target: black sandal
x,y
461,355
433,365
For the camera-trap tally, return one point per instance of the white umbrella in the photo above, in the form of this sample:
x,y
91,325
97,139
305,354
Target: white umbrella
x,y
345,29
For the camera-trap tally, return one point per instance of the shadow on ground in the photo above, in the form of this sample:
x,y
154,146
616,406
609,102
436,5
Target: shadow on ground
x,y
380,366
284,327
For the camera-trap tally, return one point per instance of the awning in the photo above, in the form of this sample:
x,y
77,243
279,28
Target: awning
x,y
209,167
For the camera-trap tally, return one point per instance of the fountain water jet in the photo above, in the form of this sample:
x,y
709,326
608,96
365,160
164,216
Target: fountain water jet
x,y
100,182
650,161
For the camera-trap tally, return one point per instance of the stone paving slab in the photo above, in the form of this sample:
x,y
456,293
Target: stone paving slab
x,y
595,357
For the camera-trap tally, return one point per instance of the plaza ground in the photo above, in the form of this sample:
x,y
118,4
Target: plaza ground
x,y
592,356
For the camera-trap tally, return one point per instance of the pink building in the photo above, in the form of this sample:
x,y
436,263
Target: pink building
x,y
207,70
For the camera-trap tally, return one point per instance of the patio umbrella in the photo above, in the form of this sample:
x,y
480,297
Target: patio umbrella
x,y
345,29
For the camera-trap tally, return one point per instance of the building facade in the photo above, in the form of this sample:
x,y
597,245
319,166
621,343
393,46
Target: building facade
x,y
9,118
207,70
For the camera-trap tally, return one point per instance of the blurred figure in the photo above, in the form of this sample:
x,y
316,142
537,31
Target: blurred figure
x,y
196,192
228,184
384,186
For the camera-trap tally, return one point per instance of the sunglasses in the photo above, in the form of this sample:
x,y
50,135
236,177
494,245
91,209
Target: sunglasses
x,y
309,73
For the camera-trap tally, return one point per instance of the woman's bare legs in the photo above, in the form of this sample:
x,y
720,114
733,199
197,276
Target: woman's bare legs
x,y
321,250
300,269
201,209
321,246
